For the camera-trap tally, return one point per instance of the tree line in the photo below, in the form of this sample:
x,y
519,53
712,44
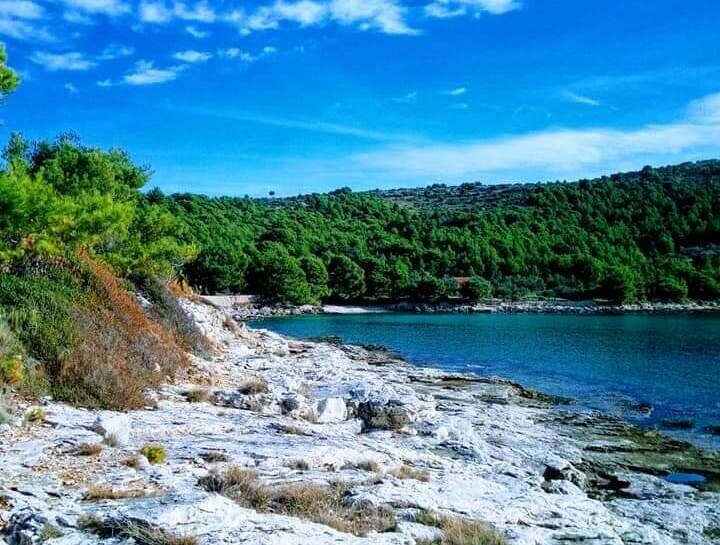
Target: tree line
x,y
647,235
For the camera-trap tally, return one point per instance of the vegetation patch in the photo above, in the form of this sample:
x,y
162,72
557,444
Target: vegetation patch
x,y
327,505
459,531
97,492
142,533
88,449
407,472
155,453
197,395
253,385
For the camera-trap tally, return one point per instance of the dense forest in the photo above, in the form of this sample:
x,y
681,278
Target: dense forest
x,y
647,235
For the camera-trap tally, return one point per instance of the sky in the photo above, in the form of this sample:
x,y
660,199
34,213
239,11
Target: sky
x,y
295,96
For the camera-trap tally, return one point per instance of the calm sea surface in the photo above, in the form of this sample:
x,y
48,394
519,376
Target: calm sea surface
x,y
611,363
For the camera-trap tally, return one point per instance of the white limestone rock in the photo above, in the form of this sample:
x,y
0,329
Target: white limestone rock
x,y
114,428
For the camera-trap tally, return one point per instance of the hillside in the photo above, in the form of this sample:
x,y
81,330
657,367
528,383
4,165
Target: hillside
x,y
634,236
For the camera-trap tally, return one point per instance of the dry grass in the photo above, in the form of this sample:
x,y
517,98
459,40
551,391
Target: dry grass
x,y
214,456
141,533
407,472
322,504
291,429
120,351
132,461
254,385
49,531
460,531
300,465
97,492
197,395
88,449
364,465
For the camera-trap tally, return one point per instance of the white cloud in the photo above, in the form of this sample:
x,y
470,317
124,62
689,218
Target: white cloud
x,y
384,15
115,51
161,12
410,98
458,91
106,7
192,56
104,82
77,18
16,17
557,152
581,99
70,88
705,110
196,32
246,56
304,12
22,30
387,16
453,8
145,73
74,61
20,9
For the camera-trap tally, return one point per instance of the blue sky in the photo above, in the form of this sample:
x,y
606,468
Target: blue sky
x,y
244,97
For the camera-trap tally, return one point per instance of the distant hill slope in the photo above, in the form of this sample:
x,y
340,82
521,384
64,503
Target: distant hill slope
x,y
650,234
478,195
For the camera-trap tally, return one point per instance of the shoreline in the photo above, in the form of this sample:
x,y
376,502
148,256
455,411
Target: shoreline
x,y
409,439
250,311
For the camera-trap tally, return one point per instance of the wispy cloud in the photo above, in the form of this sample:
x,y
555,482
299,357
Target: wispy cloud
x,y
192,56
145,73
105,7
71,88
456,92
454,8
18,20
21,9
410,98
581,99
556,152
159,12
196,32
73,61
116,51
387,16
304,125
104,83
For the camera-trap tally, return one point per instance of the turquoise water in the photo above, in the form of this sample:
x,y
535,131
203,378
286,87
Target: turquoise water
x,y
618,364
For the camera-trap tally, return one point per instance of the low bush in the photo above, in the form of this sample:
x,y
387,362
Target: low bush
x,y
460,531
407,472
140,532
36,414
97,492
155,454
168,312
88,449
322,504
253,385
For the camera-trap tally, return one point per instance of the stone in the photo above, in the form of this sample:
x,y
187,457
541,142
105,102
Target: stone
x,y
114,428
331,409
385,416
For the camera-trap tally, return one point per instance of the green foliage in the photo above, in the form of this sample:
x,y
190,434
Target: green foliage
x,y
652,234
477,288
155,453
9,80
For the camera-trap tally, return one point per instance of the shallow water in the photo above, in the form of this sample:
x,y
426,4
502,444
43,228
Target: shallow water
x,y
620,364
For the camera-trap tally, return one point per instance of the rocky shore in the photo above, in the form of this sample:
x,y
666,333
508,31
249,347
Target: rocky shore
x,y
283,442
261,310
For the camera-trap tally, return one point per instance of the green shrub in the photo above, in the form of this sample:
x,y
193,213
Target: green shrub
x,y
154,453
